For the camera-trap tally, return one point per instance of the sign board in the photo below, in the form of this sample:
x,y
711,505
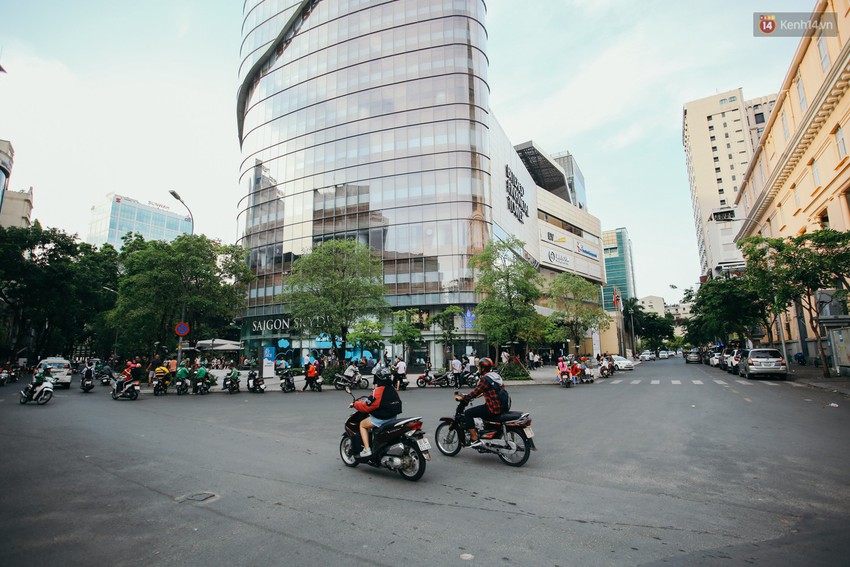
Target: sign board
x,y
268,362
181,329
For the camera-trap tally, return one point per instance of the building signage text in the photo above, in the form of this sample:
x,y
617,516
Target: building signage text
x,y
558,258
158,205
281,324
583,250
516,195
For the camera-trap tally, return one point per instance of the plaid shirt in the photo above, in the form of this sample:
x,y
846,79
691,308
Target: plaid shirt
x,y
491,397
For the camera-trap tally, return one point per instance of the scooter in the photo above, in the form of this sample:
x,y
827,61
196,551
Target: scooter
x,y
4,377
442,380
287,382
41,395
255,384
353,380
231,384
181,385
468,378
105,378
398,445
86,383
13,375
130,389
202,386
509,437
160,386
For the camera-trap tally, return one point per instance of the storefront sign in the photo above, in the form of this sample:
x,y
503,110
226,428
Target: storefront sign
x,y
516,195
284,324
558,258
582,249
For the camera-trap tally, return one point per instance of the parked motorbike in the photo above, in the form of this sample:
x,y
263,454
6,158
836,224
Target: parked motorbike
x,y
606,368
231,385
287,382
202,386
352,380
256,384
130,389
86,383
468,378
398,445
160,386
442,380
40,395
181,385
14,373
509,437
4,377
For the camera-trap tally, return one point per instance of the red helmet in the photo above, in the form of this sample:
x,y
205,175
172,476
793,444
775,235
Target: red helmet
x,y
485,365
129,364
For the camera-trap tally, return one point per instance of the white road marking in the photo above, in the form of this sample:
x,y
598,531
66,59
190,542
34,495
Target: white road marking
x,y
698,382
770,384
615,381
635,381
653,382
797,385
744,382
721,382
677,381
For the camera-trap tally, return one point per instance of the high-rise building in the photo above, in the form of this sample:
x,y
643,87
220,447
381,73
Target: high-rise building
x,y
371,121
7,159
719,134
118,215
575,179
619,269
17,209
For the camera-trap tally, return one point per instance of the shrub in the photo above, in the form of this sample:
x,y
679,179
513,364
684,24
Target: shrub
x,y
513,371
328,373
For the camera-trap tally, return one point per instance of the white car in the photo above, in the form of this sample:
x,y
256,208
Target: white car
x,y
60,369
663,355
623,363
647,355
714,360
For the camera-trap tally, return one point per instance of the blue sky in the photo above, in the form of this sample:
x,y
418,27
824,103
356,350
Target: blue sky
x,y
139,98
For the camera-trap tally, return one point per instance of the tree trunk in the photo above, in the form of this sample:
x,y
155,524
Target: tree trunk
x,y
810,305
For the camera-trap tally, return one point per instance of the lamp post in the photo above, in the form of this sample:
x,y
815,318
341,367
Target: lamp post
x,y
174,194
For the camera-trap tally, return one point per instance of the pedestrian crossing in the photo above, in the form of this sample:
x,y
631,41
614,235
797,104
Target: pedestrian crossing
x,y
693,382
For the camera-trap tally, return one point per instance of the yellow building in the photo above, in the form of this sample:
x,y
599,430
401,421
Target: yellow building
x,y
799,176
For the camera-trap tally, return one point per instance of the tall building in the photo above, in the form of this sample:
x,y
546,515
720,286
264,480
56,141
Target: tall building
x,y
799,176
619,269
117,215
575,179
7,159
653,304
17,209
371,121
719,134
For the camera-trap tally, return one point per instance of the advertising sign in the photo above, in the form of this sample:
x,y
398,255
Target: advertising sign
x,y
268,362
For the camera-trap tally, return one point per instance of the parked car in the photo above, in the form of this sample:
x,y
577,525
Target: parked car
x,y
60,368
663,355
763,362
693,356
734,358
724,359
622,363
647,355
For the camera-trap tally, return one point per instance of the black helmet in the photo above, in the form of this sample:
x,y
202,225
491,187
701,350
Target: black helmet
x,y
383,376
485,365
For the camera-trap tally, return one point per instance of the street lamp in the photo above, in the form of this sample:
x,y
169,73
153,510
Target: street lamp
x,y
191,218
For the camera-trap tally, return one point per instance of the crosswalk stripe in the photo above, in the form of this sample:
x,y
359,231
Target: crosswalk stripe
x,y
770,384
677,381
635,381
699,382
615,381
721,382
744,382
797,385
653,382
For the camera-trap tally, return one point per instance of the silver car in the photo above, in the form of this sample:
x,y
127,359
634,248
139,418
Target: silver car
x,y
761,362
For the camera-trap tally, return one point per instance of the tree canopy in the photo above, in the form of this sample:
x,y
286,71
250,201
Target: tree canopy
x,y
577,309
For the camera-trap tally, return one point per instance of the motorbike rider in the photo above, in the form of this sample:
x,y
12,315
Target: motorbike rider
x,y
124,377
88,371
563,369
233,375
310,372
200,376
38,379
182,372
399,372
492,407
382,406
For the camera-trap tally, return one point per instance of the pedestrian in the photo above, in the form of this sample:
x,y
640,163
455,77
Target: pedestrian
x,y
505,357
457,368
400,372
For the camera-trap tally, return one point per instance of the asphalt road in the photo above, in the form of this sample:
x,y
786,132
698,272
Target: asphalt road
x,y
685,471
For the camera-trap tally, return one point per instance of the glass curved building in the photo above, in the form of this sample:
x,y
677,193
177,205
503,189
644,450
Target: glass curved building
x,y
370,119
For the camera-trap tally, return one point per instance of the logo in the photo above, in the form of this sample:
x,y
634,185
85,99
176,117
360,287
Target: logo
x,y
585,251
558,258
767,24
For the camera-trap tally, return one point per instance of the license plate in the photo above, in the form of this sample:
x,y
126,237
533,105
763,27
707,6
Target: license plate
x,y
529,432
424,445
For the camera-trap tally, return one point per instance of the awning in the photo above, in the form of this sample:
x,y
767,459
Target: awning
x,y
218,344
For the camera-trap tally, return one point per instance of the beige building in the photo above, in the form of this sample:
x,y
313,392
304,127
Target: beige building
x,y
17,209
720,133
800,172
652,304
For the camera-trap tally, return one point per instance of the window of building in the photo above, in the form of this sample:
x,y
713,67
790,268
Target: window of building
x,y
728,146
730,156
839,141
726,135
815,172
722,101
760,130
720,191
733,98
716,159
714,148
785,126
711,128
732,166
723,115
759,118
710,118
801,93
796,196
716,170
713,138
722,202
824,53
720,180
734,178
823,220
724,125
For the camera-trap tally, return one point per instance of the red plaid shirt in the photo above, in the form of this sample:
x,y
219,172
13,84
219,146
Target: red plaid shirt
x,y
491,397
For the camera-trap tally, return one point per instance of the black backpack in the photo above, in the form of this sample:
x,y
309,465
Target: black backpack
x,y
504,398
88,372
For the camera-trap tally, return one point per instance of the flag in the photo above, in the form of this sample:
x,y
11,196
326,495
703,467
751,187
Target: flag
x,y
2,70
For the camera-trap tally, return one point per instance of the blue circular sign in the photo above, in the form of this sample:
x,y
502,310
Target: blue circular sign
x,y
182,329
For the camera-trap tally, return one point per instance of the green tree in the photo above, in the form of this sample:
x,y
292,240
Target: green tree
x,y
366,335
724,307
448,335
338,283
577,309
406,332
510,286
657,329
633,315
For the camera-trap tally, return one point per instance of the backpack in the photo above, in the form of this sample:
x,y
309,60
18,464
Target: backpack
x,y
88,372
504,397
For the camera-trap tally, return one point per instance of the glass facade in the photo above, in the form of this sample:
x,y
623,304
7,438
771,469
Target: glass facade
x,y
619,268
118,215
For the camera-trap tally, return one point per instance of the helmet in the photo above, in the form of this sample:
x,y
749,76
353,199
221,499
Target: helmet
x,y
129,364
485,365
560,359
383,376
182,363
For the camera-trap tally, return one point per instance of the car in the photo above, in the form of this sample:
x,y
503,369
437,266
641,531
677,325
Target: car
x,y
734,358
60,368
663,355
647,355
724,359
714,358
622,363
763,362
693,356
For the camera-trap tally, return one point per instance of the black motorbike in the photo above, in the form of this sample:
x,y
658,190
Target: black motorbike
x,y
4,377
160,385
442,380
105,378
509,436
181,386
256,384
398,445
14,373
354,381
202,386
87,382
231,385
129,389
287,381
468,378
315,384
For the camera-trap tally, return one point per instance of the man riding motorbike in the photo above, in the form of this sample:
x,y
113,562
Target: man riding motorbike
x,y
492,407
38,379
200,376
382,406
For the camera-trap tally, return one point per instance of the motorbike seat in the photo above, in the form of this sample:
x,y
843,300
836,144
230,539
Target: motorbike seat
x,y
393,422
507,416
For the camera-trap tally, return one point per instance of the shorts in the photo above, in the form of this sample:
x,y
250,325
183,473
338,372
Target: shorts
x,y
377,422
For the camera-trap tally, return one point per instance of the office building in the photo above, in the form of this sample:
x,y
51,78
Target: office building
x,y
719,134
372,121
17,209
117,215
577,194
653,304
799,176
619,269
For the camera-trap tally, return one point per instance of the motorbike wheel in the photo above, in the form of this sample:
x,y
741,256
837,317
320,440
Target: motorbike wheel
x,y
156,392
364,383
416,469
448,440
420,382
134,395
523,448
346,452
114,395
338,385
318,387
23,400
473,382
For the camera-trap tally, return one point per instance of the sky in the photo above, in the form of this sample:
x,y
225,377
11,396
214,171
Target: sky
x,y
139,98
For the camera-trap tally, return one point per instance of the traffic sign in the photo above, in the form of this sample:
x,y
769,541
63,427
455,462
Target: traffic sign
x,y
182,329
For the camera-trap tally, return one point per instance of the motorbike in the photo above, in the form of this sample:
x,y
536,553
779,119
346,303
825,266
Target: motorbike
x,y
468,378
442,380
565,380
606,368
160,386
256,384
287,382
4,377
86,383
510,437
13,375
40,395
202,386
355,380
399,445
104,378
130,389
181,385
231,385
315,384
